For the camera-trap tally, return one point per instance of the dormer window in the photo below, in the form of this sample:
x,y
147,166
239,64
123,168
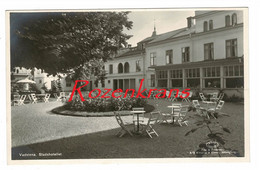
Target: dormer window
x,y
210,24
227,20
234,19
205,26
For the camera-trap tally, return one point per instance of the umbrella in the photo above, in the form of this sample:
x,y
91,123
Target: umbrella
x,y
26,81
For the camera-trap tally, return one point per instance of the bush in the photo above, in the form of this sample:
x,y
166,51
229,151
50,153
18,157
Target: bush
x,y
104,105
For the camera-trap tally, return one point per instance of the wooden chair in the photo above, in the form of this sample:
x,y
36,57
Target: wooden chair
x,y
58,98
202,97
187,99
214,97
149,124
16,100
46,98
34,98
197,106
181,117
124,130
217,109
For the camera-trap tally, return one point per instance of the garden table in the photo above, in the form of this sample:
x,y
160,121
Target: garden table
x,y
40,96
138,112
173,107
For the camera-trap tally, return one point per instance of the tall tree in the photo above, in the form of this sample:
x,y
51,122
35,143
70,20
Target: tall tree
x,y
62,42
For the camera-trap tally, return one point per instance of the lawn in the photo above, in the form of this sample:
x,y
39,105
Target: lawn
x,y
77,141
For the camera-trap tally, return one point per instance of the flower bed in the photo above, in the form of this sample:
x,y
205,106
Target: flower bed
x,y
104,105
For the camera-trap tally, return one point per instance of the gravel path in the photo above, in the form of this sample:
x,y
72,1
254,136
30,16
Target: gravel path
x,y
33,123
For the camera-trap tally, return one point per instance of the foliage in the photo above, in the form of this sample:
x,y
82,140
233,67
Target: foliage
x,y
62,42
214,141
104,105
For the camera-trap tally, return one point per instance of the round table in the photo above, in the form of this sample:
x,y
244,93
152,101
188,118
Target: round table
x,y
138,112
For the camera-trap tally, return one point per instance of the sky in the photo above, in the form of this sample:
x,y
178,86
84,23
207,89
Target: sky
x,y
164,20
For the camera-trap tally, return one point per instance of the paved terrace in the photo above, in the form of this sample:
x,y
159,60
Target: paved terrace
x,y
36,130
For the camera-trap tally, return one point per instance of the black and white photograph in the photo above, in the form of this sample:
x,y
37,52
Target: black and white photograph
x,y
128,84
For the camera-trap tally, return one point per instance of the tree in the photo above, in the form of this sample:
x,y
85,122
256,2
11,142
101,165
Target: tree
x,y
66,42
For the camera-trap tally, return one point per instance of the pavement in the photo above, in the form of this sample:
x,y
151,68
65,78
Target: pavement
x,y
34,123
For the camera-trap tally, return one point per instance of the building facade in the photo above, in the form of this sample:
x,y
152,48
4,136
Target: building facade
x,y
206,55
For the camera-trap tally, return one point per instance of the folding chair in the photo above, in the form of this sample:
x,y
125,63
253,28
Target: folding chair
x,y
216,109
46,98
202,97
57,97
34,98
180,117
187,99
22,99
124,130
214,97
16,100
149,124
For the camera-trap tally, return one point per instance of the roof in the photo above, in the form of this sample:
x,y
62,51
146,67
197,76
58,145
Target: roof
x,y
131,52
171,34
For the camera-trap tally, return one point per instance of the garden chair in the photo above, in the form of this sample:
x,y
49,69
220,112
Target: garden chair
x,y
217,109
16,100
220,97
187,99
149,124
181,115
124,130
22,99
34,98
202,97
197,106
46,98
214,97
57,97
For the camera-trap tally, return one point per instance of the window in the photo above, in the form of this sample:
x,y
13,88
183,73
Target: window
x,y
205,26
234,76
152,80
138,68
175,74
120,68
227,20
169,57
208,51
234,19
231,48
176,78
211,77
40,81
126,67
110,68
210,24
108,81
162,76
193,77
185,54
17,71
152,59
103,83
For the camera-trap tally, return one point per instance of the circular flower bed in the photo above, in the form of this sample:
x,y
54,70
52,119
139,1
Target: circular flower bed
x,y
102,107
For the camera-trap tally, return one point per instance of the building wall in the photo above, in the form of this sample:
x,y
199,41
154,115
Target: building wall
x,y
126,77
218,19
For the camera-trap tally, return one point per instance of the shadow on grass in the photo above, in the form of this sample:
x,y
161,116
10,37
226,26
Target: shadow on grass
x,y
106,144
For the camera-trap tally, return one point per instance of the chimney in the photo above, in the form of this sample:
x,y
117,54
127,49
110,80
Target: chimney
x,y
190,22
